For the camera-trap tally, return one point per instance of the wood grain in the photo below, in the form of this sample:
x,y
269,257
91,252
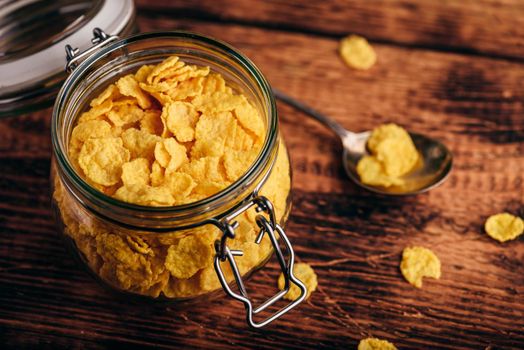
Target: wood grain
x,y
490,27
352,238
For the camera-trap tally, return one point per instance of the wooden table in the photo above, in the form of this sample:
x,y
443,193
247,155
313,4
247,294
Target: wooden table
x,y
451,69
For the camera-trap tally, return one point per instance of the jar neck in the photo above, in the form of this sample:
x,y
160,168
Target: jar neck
x,y
127,55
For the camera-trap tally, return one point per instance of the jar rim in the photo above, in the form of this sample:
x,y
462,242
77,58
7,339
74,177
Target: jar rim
x,y
210,203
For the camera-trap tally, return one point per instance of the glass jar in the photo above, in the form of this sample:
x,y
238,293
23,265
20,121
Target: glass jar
x,y
186,251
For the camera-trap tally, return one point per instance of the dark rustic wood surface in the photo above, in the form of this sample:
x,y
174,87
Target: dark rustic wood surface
x,y
453,70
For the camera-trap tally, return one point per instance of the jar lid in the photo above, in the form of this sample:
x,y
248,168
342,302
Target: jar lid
x,y
33,35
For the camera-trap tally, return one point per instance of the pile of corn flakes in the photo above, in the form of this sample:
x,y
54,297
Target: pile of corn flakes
x,y
167,135
393,154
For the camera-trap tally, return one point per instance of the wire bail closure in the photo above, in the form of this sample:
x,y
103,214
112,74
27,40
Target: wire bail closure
x,y
74,56
223,253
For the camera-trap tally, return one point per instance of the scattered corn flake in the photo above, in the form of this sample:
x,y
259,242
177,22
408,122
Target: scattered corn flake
x,y
375,344
419,262
304,273
357,52
101,160
189,255
128,86
504,227
136,172
140,144
181,118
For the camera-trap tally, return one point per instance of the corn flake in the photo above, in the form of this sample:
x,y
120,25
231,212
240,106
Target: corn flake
x,y
248,117
504,227
109,94
101,160
419,262
145,195
215,83
304,273
393,154
125,114
156,74
97,112
128,86
180,185
393,147
357,52
375,344
157,174
189,255
140,144
181,118
142,73
136,172
371,172
170,154
236,163
187,88
218,102
152,123
211,133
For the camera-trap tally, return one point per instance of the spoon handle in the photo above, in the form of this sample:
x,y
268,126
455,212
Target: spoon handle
x,y
333,125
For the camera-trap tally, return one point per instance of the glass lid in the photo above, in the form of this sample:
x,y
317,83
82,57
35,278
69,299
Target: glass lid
x,y
33,35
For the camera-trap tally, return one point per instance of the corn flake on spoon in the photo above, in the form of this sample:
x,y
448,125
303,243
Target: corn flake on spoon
x,y
434,168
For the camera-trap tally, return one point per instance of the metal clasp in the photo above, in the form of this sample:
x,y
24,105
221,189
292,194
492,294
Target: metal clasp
x,y
74,56
223,253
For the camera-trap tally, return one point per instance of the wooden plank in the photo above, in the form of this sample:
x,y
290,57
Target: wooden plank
x,y
353,238
490,27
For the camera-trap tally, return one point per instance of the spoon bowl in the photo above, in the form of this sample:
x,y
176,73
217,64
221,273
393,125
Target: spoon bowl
x,y
432,169
435,161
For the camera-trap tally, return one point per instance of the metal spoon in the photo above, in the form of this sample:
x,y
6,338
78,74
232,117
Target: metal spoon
x,y
431,171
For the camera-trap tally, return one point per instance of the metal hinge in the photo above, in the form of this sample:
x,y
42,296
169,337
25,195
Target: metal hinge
x,y
271,228
74,56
